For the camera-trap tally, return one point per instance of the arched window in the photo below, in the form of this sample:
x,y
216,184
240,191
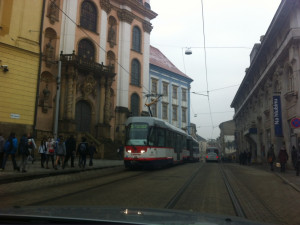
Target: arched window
x,y
135,104
86,49
88,16
135,72
136,39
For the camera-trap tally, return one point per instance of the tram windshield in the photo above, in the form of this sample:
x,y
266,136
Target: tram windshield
x,y
137,134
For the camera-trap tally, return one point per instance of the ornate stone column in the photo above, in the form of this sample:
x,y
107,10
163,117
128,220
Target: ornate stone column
x,y
107,113
102,99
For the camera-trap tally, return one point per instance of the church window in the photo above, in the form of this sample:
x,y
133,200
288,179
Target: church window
x,y
88,16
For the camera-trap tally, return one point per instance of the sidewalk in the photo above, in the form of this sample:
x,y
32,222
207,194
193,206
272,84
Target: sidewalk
x,y
35,171
289,176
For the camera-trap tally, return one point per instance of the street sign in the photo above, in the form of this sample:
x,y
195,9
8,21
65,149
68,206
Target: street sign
x,y
295,122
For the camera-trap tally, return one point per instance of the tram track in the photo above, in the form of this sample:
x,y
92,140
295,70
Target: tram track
x,y
247,204
171,204
111,180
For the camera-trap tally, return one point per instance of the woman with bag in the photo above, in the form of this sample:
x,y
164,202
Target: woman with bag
x,y
50,151
283,157
43,151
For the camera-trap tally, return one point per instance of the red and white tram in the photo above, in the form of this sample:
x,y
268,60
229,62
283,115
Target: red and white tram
x,y
193,148
153,142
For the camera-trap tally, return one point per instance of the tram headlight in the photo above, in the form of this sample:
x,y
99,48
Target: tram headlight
x,y
143,151
129,151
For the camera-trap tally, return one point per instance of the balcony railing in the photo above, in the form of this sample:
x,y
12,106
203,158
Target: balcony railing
x,y
85,64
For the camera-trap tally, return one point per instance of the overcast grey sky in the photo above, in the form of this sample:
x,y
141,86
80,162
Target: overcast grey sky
x,y
230,23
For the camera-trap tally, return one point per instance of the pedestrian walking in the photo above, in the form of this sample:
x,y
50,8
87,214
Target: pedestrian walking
x,y
60,152
2,142
71,150
31,147
294,156
82,150
43,151
249,156
24,153
298,162
92,151
50,151
271,157
120,151
10,149
283,157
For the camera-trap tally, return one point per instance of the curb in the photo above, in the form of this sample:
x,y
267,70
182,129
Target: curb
x,y
288,182
53,173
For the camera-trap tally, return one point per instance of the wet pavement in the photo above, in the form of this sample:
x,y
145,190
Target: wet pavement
x,y
34,170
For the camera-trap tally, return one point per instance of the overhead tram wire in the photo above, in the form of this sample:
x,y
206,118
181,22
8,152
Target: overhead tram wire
x,y
82,30
205,61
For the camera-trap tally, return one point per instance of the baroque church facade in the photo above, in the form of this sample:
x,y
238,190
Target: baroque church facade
x,y
94,66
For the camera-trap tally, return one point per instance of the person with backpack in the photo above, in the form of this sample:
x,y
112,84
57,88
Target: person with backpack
x,y
31,147
283,157
82,149
24,152
10,149
60,152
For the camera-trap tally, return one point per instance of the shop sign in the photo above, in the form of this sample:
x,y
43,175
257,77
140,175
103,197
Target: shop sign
x,y
277,115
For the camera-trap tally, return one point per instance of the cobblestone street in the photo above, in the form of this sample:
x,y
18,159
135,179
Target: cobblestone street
x,y
263,195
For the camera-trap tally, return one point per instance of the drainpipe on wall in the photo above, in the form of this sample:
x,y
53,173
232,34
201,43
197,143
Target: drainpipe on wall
x,y
39,70
57,100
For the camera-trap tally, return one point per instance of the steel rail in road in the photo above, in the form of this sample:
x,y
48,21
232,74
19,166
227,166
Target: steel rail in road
x,y
88,189
177,196
236,204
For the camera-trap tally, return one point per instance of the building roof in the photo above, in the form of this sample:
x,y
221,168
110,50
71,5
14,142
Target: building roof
x,y
157,58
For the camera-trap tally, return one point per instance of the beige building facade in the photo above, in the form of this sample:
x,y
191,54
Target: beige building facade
x,y
266,104
103,49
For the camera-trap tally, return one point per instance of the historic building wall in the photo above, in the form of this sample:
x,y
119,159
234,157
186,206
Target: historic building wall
x,y
19,51
267,100
96,86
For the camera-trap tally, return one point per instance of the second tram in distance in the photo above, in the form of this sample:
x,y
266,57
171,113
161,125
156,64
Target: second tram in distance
x,y
153,142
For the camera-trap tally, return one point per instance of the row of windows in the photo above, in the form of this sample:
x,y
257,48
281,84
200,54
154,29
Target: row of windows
x,y
154,90
165,138
89,18
174,112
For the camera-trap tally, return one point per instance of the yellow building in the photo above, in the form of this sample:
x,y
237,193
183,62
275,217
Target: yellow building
x,y
19,63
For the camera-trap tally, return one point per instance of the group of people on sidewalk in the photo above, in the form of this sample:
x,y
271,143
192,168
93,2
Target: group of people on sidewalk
x,y
59,151
283,158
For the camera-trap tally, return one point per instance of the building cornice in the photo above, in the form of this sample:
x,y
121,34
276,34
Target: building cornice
x,y
105,5
125,15
135,5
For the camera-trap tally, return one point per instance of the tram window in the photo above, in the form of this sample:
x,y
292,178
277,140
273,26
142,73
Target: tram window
x,y
161,137
152,136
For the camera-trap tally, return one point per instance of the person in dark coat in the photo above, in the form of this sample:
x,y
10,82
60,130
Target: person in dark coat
x,y
298,162
24,152
71,150
283,157
294,156
271,157
10,149
82,150
92,151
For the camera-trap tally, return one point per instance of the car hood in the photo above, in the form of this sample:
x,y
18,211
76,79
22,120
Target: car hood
x,y
113,215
